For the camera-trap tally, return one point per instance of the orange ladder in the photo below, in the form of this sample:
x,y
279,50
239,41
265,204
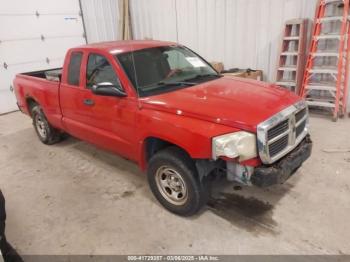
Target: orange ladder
x,y
292,57
325,82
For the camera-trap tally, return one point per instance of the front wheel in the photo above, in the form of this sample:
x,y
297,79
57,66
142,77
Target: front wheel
x,y
174,181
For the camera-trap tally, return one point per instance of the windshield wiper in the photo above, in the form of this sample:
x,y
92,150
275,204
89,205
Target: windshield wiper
x,y
202,76
179,83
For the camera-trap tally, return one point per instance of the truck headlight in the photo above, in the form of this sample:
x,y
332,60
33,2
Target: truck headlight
x,y
240,144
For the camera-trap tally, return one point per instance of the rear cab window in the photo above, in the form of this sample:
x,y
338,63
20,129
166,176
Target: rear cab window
x,y
74,68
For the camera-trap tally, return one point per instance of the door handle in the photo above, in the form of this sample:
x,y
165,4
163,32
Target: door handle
x,y
89,102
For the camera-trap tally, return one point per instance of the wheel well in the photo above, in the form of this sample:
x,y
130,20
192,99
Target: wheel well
x,y
30,104
154,145
204,167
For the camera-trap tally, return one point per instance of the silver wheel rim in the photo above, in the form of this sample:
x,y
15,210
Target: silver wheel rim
x,y
171,185
41,126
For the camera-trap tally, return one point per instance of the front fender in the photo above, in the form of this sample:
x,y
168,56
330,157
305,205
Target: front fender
x,y
191,134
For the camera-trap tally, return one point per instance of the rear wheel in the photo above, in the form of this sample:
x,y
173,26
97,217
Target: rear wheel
x,y
46,133
174,181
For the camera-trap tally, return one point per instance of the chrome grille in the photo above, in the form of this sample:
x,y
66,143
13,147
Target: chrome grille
x,y
278,146
300,115
282,133
299,130
277,130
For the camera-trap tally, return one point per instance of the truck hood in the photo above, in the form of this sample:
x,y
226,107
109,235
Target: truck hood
x,y
231,101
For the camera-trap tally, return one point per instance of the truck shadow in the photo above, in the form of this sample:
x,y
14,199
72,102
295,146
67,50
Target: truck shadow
x,y
101,155
249,208
108,160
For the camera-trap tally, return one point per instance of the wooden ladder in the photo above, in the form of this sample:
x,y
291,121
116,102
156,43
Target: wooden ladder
x,y
292,57
325,82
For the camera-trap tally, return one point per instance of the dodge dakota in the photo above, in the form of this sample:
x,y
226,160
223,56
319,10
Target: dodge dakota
x,y
164,107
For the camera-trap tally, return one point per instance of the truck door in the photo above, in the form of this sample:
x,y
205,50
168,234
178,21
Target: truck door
x,y
71,91
107,121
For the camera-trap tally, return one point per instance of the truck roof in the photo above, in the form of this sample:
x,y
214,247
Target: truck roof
x,y
116,47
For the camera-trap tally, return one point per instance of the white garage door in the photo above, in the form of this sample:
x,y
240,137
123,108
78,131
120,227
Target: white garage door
x,y
34,35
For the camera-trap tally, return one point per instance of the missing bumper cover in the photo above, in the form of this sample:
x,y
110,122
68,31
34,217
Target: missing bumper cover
x,y
279,172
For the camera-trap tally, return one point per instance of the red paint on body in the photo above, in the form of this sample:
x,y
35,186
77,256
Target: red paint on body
x,y
188,117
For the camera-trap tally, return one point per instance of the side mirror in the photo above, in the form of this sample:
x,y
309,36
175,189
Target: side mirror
x,y
107,89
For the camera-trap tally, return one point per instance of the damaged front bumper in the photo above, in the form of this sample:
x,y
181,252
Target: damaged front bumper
x,y
280,171
263,175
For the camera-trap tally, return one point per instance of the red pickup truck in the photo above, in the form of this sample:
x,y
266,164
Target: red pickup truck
x,y
163,106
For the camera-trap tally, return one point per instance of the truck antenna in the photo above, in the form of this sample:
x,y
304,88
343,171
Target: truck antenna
x,y
135,75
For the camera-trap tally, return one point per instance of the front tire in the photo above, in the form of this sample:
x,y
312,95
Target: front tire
x,y
46,133
173,179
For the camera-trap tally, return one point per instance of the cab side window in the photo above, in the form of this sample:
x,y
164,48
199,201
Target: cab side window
x,y
99,70
74,68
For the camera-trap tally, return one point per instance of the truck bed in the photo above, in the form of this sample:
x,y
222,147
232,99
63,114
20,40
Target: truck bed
x,y
43,88
50,74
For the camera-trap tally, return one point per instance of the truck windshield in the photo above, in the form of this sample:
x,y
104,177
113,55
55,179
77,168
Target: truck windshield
x,y
163,69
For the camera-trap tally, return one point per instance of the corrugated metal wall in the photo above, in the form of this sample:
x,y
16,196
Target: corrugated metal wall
x,y
101,19
240,33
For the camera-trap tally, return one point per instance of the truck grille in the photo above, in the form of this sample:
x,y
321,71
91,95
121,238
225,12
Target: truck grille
x,y
277,130
299,130
282,133
300,115
278,146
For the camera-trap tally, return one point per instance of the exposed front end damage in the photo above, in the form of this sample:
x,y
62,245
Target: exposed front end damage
x,y
261,176
268,157
239,173
279,172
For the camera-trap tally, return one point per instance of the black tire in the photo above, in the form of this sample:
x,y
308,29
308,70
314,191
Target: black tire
x,y
179,162
46,133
